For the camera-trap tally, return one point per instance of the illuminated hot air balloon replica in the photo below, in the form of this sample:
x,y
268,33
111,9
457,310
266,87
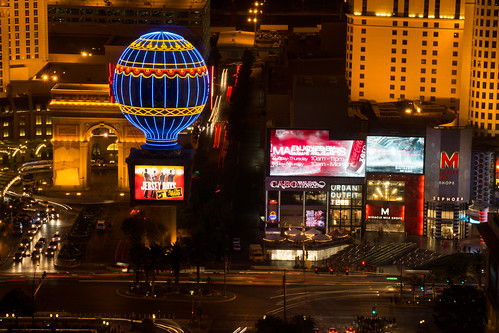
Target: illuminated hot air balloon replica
x,y
161,84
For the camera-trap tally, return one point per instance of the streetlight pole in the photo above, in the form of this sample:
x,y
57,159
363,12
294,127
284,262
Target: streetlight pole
x,y
255,11
284,295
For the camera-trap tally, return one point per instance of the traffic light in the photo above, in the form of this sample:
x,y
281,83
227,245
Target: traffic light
x,y
331,270
346,272
374,311
363,263
316,270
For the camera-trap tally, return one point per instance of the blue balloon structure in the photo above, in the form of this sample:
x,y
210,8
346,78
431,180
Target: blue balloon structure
x,y
161,84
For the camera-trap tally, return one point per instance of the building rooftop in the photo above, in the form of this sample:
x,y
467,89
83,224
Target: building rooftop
x,y
139,4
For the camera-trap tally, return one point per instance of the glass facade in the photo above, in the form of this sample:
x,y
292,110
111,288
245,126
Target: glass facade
x,y
345,207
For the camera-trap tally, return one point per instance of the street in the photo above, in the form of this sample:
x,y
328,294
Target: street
x,y
330,300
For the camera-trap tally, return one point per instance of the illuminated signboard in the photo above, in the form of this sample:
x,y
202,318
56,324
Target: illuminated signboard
x,y
311,153
394,154
315,218
158,183
346,195
377,212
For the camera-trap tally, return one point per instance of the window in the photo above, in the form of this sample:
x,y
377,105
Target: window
x,y
454,53
392,87
435,33
425,24
402,78
434,52
422,80
404,42
424,43
394,50
406,23
423,61
423,52
394,42
404,33
421,89
434,62
49,118
392,69
392,60
48,131
363,31
362,58
394,32
402,87
38,120
435,43
392,78
38,131
392,96
403,69
423,70
433,71
22,132
363,49
433,80
455,44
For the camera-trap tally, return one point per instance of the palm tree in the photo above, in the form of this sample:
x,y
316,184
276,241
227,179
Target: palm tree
x,y
175,256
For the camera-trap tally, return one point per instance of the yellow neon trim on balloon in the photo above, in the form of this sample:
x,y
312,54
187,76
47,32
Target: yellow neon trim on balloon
x,y
160,73
154,45
161,112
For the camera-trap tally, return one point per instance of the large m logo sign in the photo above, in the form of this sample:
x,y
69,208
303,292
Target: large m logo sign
x,y
447,162
385,211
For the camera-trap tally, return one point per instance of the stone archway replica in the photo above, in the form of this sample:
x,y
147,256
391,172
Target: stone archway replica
x,y
76,110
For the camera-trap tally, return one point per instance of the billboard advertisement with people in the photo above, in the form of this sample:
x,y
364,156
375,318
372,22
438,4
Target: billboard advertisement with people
x,y
157,182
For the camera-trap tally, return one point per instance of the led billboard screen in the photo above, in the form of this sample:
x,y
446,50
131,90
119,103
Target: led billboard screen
x,y
158,182
311,153
395,154
315,218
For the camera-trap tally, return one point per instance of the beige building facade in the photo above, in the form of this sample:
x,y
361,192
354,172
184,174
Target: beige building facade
x,y
427,50
77,112
23,40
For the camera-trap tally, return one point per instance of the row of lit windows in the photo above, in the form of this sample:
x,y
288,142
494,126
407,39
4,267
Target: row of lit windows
x,y
26,4
480,23
484,94
482,125
22,132
482,115
123,12
406,24
124,21
482,105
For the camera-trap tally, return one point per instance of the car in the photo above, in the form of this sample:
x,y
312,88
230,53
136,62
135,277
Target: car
x,y
36,255
25,242
39,246
42,216
350,330
332,330
18,257
50,252
101,225
42,240
32,231
56,237
236,243
53,245
22,249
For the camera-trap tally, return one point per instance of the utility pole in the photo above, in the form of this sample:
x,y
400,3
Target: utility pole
x,y
284,294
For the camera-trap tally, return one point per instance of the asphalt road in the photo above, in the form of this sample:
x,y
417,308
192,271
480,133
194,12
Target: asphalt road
x,y
331,301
